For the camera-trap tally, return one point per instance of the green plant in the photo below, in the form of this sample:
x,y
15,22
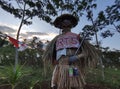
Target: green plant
x,y
12,75
112,78
33,78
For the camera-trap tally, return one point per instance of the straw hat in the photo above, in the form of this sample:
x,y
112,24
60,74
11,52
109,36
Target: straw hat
x,y
59,20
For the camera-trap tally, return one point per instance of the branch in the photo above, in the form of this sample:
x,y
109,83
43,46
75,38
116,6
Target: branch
x,y
18,4
116,28
21,21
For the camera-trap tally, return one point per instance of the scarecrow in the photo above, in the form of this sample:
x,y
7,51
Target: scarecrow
x,y
70,55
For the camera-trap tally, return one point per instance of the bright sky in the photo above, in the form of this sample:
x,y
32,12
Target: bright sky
x,y
9,24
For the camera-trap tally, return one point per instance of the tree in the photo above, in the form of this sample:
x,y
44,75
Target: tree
x,y
26,10
48,9
110,17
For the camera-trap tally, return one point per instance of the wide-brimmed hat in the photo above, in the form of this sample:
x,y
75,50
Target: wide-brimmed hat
x,y
59,20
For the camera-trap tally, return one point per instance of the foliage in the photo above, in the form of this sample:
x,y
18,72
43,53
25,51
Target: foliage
x,y
26,78
12,75
3,42
107,22
111,16
35,76
31,56
112,78
111,59
32,77
27,8
7,55
47,9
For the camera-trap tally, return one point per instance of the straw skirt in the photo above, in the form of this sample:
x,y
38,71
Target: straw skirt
x,y
62,79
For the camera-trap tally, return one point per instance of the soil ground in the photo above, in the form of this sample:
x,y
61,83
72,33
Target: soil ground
x,y
88,86
95,86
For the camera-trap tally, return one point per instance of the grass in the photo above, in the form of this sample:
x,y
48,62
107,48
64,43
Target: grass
x,y
111,77
32,76
12,74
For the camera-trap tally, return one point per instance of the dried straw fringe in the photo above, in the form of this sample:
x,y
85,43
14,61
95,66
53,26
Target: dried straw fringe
x,y
50,54
66,82
89,50
62,79
92,54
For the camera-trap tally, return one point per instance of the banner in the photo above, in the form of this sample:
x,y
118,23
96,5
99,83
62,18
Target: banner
x,y
20,45
14,41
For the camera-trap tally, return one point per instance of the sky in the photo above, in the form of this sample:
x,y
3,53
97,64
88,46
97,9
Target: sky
x,y
9,25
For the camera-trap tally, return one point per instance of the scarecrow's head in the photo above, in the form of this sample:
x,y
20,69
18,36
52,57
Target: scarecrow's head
x,y
65,21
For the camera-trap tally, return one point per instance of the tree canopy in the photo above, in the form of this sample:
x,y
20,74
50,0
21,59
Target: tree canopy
x,y
47,9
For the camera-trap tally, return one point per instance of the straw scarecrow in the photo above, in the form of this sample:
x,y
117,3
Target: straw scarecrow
x,y
69,56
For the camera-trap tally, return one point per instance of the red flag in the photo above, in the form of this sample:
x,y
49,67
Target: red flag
x,y
20,45
14,41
